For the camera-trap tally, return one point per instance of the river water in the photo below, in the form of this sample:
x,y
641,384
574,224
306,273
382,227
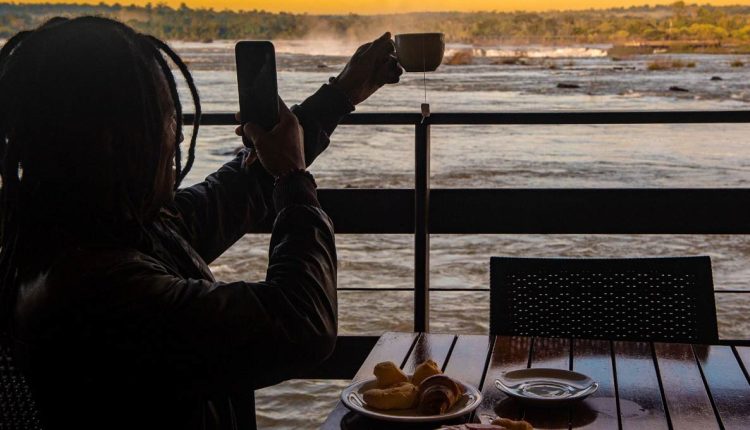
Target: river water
x,y
639,156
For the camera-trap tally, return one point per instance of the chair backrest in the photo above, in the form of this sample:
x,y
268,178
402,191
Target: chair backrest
x,y
645,299
17,408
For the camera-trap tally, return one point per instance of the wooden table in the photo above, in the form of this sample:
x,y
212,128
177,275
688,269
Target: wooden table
x,y
641,385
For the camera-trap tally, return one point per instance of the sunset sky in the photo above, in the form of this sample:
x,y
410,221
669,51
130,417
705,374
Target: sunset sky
x,y
389,6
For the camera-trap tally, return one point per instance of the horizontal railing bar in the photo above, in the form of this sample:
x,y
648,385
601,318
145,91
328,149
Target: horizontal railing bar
x,y
590,211
409,289
389,118
373,289
543,211
552,118
384,211
439,289
366,210
486,290
521,118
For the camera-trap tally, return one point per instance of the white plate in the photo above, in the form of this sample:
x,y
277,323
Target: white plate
x,y
352,398
546,387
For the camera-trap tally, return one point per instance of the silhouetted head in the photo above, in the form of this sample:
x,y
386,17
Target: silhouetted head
x,y
90,127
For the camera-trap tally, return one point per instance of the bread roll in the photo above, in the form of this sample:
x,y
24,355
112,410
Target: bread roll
x,y
437,394
424,371
511,424
497,424
402,396
473,427
388,374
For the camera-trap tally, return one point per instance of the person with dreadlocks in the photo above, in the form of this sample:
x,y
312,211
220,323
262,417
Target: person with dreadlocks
x,y
106,293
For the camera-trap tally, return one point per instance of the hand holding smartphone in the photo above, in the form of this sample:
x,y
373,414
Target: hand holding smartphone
x,y
256,79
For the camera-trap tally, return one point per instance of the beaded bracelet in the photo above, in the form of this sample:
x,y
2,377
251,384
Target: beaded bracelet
x,y
282,177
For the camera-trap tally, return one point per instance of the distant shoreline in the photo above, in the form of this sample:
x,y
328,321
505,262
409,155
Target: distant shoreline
x,y
683,27
612,50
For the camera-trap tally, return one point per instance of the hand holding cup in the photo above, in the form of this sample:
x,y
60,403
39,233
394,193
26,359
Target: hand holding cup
x,y
372,66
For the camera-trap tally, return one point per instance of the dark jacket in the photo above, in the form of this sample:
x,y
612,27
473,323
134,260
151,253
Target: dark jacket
x,y
145,337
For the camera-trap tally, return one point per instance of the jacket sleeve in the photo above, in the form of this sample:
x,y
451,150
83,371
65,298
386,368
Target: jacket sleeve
x,y
214,214
241,334
319,116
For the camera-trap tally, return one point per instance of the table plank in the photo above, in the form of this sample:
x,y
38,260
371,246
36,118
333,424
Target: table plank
x,y
727,384
639,397
429,346
744,353
554,354
469,359
390,346
599,411
687,400
508,353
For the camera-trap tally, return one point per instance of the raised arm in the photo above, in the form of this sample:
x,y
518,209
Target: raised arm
x,y
214,214
235,200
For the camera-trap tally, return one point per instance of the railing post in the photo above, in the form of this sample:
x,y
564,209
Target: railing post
x,y
421,228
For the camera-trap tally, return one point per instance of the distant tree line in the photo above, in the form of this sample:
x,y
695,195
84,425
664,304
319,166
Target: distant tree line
x,y
677,22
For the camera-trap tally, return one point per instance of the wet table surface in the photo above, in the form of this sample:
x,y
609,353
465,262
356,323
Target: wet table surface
x,y
642,385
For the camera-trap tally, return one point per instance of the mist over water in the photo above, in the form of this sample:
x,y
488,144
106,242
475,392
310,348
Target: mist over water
x,y
586,156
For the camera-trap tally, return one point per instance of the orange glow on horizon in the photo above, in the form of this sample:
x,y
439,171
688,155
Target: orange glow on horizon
x,y
395,6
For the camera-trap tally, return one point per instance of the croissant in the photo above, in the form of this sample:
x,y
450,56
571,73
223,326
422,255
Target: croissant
x,y
511,424
424,371
473,427
400,396
437,394
388,374
497,424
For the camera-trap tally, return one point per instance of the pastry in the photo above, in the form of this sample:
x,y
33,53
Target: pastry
x,y
437,394
473,427
509,424
425,370
388,374
401,396
497,424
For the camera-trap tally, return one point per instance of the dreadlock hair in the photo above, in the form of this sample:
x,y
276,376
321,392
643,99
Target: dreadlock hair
x,y
82,151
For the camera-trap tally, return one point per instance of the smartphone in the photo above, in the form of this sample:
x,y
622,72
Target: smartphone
x,y
256,80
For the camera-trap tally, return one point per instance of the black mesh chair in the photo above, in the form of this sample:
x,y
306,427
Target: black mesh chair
x,y
642,299
17,408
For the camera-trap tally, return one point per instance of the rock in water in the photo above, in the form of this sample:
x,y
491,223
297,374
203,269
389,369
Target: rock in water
x,y
568,86
460,58
717,78
679,89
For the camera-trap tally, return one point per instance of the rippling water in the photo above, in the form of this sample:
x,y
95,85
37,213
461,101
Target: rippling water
x,y
568,156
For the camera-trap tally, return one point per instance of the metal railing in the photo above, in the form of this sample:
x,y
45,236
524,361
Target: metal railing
x,y
423,210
